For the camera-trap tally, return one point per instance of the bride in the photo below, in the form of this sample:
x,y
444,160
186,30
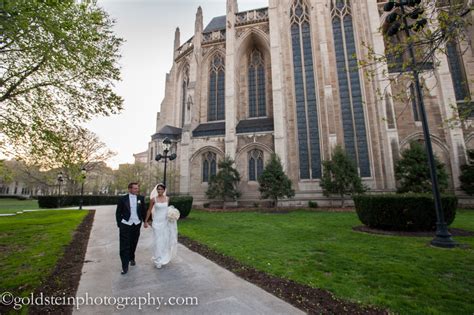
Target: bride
x,y
165,232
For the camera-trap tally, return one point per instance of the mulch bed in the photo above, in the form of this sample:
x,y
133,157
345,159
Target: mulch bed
x,y
64,279
453,231
309,299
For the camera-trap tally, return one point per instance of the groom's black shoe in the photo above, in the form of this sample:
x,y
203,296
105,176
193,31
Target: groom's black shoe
x,y
124,271
132,263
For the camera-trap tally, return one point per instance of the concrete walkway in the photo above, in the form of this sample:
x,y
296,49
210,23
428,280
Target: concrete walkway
x,y
214,289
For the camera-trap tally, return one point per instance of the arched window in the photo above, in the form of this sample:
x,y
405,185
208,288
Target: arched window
x,y
152,157
255,158
216,110
257,99
305,92
184,88
350,92
209,166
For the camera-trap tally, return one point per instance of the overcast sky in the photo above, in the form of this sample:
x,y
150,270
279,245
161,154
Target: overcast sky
x,y
148,27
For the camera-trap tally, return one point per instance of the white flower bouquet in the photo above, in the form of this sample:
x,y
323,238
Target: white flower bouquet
x,y
173,213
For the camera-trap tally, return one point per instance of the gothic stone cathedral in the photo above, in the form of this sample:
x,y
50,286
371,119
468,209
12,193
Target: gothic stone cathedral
x,y
274,80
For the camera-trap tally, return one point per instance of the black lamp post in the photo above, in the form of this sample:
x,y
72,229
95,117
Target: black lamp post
x,y
165,156
83,179
60,181
395,22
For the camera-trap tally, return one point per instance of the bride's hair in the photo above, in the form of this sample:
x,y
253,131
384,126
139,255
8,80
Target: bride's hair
x,y
161,185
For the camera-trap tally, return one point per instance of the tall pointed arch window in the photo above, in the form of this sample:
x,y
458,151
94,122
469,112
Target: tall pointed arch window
x,y
350,92
305,92
184,88
255,158
257,99
216,110
209,166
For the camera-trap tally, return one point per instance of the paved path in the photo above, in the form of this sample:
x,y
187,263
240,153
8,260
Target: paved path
x,y
217,290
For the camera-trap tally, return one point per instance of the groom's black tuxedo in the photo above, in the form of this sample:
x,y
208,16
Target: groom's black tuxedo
x,y
123,209
129,234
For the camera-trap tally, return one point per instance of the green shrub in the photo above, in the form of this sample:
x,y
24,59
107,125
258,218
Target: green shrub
x,y
467,174
183,204
406,212
312,204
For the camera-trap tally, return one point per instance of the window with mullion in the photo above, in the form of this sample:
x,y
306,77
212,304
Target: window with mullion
x,y
350,92
256,85
216,100
255,162
208,166
305,93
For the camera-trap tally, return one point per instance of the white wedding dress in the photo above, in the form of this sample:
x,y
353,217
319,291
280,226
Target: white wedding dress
x,y
165,235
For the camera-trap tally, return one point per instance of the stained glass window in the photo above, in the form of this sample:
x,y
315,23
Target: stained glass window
x,y
209,166
255,159
216,106
256,73
350,91
305,92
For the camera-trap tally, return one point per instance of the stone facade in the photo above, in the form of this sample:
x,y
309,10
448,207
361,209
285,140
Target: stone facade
x,y
269,81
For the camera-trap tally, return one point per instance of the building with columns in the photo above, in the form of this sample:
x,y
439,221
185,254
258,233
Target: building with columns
x,y
274,80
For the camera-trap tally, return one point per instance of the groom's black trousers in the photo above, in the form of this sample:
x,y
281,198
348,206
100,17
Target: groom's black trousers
x,y
129,235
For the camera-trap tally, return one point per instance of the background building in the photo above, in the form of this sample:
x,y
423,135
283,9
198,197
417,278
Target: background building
x,y
274,79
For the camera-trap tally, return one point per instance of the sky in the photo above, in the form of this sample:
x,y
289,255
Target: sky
x,y
148,28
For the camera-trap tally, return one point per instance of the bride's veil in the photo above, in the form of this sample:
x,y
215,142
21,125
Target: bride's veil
x,y
154,193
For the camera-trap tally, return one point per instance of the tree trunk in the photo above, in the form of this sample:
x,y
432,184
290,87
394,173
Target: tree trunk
x,y
342,200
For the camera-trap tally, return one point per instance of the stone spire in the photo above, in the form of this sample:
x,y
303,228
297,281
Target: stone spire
x,y
176,40
198,26
232,6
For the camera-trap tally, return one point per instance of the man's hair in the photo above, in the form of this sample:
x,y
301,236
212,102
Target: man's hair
x,y
131,185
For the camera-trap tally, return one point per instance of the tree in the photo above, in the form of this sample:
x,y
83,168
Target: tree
x,y
58,64
99,179
223,185
127,173
413,173
435,27
6,175
340,176
274,183
80,148
467,174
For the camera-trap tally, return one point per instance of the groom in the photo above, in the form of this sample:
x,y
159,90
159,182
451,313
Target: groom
x,y
130,213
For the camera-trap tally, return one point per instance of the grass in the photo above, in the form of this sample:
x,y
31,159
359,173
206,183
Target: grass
x,y
11,205
320,249
31,244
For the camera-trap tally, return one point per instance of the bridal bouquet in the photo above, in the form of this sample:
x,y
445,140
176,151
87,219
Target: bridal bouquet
x,y
173,213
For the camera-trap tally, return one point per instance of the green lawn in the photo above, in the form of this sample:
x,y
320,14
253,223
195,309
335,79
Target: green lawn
x,y
320,249
13,205
30,245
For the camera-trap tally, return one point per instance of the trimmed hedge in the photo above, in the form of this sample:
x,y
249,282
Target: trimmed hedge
x,y
183,204
74,200
403,212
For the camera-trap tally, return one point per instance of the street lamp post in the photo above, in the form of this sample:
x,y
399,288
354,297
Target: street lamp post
x,y
443,237
83,179
165,156
60,181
